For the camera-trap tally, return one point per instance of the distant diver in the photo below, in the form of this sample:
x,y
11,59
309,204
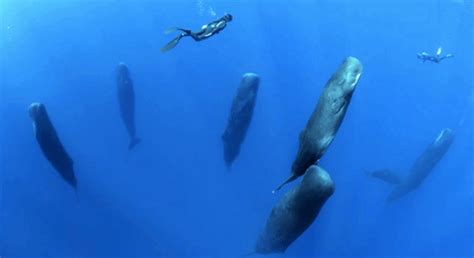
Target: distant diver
x,y
206,31
433,58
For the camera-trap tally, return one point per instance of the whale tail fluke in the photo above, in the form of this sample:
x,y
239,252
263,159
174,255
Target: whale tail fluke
x,y
74,188
76,194
134,143
289,179
228,165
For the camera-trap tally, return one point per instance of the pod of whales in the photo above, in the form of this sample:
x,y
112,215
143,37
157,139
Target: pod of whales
x,y
300,206
295,212
326,119
126,98
50,144
240,116
420,169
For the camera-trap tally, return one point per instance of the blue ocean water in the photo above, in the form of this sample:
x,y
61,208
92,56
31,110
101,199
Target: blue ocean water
x,y
173,195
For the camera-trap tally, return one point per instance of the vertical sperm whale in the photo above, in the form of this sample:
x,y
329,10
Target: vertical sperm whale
x,y
326,119
50,145
423,165
126,98
240,116
295,212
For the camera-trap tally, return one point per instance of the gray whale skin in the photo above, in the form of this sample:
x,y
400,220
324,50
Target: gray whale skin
x,y
295,212
326,119
126,98
240,116
50,144
420,169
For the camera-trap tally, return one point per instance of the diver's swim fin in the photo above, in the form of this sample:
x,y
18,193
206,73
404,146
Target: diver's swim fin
x,y
171,44
169,30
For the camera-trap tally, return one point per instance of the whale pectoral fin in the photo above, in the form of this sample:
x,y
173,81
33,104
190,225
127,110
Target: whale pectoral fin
x,y
289,179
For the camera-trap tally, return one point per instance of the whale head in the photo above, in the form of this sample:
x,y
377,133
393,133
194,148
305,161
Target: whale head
x,y
352,69
250,80
340,87
35,109
122,67
446,136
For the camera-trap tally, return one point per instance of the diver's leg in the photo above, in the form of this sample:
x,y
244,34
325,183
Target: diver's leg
x,y
185,32
196,37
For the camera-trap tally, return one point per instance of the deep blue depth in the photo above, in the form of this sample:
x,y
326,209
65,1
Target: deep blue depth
x,y
173,194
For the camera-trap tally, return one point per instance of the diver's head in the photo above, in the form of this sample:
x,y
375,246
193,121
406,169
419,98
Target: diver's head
x,y
227,17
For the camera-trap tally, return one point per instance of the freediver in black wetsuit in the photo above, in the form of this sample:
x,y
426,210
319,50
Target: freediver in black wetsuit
x,y
433,58
206,31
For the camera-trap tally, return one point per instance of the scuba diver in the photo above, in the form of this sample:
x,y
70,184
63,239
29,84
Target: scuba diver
x,y
206,31
433,58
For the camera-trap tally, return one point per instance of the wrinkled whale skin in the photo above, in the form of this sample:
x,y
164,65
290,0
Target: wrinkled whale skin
x,y
295,212
240,116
